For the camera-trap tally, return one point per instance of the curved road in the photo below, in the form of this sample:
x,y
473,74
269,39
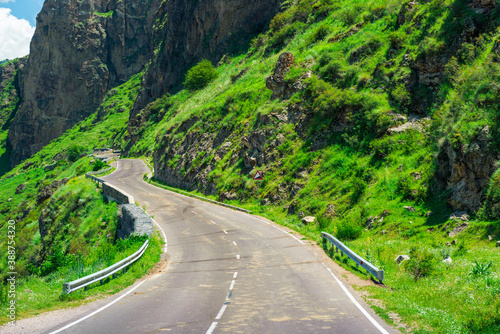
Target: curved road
x,y
227,272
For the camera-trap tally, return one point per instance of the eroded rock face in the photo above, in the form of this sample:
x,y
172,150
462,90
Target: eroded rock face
x,y
81,49
192,30
11,84
467,171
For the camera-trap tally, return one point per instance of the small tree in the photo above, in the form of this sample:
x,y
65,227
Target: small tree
x,y
200,75
74,152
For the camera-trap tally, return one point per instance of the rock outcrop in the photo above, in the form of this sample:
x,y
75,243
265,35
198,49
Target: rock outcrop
x,y
191,30
81,49
11,90
466,171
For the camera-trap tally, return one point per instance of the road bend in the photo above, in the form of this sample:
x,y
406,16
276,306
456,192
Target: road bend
x,y
227,272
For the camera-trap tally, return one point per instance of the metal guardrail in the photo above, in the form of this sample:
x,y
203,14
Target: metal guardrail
x,y
379,274
102,274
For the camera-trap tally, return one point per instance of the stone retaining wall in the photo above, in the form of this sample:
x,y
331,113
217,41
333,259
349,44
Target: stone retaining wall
x,y
135,222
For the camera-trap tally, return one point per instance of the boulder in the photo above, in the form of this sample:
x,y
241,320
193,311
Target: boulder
x,y
460,215
308,220
447,260
409,208
276,82
401,258
20,188
226,195
458,229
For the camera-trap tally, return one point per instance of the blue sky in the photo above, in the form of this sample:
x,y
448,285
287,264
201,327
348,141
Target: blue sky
x,y
17,25
24,9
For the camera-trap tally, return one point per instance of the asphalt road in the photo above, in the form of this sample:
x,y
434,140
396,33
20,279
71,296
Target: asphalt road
x,y
227,272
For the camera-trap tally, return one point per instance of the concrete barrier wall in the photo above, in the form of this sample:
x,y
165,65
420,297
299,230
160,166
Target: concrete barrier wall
x,y
133,220
115,194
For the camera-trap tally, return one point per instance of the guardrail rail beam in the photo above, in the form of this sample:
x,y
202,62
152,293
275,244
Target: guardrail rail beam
x,y
379,274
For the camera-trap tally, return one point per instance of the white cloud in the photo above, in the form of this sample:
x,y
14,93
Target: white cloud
x,y
7,1
15,35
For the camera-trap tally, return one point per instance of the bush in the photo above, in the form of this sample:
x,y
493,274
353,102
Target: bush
x,y
420,264
200,75
98,165
74,152
347,231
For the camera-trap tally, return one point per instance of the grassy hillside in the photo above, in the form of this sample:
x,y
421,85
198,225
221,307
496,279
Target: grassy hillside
x,y
64,227
384,105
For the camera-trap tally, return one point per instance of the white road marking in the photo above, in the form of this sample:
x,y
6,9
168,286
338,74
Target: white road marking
x,y
238,257
231,287
162,232
196,213
351,297
212,327
282,230
99,310
221,312
212,222
235,274
234,243
268,223
224,231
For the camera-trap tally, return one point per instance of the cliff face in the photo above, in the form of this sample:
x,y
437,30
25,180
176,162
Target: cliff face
x,y
11,88
188,31
81,49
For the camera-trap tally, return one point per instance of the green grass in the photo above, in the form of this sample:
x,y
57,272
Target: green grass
x,y
81,225
344,177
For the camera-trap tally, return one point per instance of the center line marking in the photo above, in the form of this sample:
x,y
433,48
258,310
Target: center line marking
x,y
196,213
234,243
224,231
232,285
235,274
212,327
212,222
238,257
221,312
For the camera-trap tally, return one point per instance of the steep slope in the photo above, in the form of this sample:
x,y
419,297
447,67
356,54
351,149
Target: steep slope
x,y
65,229
187,31
378,118
80,50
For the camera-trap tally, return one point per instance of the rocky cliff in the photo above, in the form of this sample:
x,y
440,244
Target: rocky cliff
x,y
188,31
11,90
81,49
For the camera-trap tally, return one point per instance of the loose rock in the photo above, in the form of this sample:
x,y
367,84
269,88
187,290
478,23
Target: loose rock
x,y
409,208
447,260
458,229
308,220
401,258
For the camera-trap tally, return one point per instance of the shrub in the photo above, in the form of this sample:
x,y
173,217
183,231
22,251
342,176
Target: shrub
x,y
420,264
98,165
347,231
200,75
481,268
74,152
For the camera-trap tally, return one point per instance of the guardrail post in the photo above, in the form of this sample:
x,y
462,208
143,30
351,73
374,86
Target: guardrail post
x,y
66,288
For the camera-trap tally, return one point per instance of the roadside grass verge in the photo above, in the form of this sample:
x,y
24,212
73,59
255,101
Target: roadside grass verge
x,y
36,295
